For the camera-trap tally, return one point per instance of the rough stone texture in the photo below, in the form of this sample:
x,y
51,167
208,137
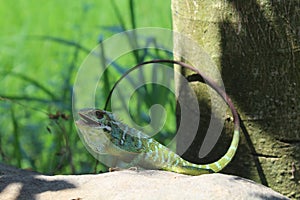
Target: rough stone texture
x,y
20,184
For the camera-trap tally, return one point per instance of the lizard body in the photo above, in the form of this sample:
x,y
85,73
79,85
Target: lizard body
x,y
104,134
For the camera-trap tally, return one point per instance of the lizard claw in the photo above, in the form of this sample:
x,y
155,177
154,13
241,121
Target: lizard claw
x,y
113,169
133,169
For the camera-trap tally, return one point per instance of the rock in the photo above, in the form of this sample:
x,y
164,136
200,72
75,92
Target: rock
x,y
127,184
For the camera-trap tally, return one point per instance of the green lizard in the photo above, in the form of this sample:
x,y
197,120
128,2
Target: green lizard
x,y
103,134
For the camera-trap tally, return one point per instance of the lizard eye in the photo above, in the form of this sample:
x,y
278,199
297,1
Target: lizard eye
x,y
99,114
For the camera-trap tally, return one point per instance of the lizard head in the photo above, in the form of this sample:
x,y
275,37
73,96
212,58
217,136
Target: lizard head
x,y
95,117
95,129
106,138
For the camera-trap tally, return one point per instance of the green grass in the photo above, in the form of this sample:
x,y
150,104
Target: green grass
x,y
38,64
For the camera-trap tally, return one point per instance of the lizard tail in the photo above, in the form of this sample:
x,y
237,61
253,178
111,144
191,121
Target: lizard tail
x,y
224,161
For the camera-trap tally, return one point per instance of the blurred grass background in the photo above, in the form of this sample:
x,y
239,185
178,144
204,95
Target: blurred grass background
x,y
42,44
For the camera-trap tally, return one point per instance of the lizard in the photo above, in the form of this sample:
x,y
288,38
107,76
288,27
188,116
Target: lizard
x,y
104,134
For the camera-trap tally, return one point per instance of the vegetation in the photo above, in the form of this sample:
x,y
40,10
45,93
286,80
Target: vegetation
x,y
42,47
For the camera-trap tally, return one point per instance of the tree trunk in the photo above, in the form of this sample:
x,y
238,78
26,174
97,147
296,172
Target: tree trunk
x,y
256,47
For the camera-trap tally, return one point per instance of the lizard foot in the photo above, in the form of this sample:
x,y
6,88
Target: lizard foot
x,y
133,169
113,169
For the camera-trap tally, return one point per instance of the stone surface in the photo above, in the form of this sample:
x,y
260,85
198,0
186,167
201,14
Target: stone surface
x,y
126,184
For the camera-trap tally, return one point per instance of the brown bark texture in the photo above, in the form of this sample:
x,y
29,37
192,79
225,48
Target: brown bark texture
x,y
256,47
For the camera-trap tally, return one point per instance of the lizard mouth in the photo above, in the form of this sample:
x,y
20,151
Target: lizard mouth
x,y
87,120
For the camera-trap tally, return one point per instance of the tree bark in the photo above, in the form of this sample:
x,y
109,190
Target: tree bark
x,y
256,46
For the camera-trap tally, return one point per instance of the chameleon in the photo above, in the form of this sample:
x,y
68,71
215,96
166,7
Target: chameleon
x,y
104,134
